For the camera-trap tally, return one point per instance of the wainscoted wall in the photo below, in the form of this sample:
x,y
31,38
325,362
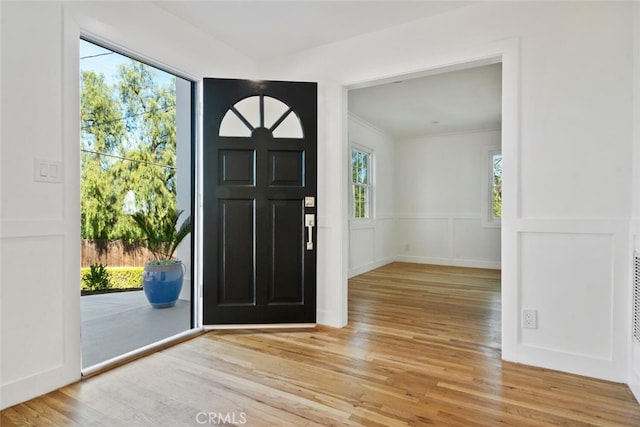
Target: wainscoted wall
x,y
40,254
439,190
427,201
372,244
47,314
568,269
372,241
571,277
447,239
634,363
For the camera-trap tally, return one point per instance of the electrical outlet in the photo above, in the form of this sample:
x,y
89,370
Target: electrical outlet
x,y
530,319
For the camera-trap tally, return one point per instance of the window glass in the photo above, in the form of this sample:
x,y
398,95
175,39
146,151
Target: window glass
x,y
496,186
261,111
361,184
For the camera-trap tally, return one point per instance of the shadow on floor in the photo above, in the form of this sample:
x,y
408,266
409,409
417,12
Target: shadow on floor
x,y
117,323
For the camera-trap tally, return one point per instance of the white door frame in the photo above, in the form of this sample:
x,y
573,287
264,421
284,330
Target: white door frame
x,y
74,32
508,53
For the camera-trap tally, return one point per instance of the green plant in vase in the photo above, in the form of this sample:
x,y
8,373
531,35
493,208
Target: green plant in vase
x,y
163,275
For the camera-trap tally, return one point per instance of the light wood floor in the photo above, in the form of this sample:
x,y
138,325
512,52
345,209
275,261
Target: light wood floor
x,y
422,348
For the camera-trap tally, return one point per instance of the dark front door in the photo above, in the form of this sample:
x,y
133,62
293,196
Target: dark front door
x,y
259,202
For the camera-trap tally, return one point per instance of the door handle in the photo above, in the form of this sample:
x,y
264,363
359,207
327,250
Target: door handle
x,y
310,222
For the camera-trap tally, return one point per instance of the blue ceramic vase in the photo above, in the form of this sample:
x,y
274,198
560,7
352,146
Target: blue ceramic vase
x,y
162,283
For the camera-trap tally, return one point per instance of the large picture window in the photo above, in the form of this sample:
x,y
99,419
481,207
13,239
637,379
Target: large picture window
x,y
361,183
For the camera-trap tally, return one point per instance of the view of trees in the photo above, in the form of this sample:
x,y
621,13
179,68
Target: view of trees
x,y
360,183
496,203
128,146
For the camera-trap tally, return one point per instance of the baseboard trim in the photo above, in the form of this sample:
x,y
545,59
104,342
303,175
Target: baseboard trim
x,y
262,326
471,263
371,266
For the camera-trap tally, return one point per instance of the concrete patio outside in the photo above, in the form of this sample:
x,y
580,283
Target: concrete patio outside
x,y
116,323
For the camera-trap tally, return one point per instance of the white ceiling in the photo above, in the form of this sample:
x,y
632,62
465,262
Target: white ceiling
x,y
264,29
457,101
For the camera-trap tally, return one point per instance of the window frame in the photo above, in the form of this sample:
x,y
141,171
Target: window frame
x,y
369,208
488,219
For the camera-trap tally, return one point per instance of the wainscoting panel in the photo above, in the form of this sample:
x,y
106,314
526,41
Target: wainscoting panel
x,y
362,248
569,279
447,239
473,242
424,237
30,300
371,244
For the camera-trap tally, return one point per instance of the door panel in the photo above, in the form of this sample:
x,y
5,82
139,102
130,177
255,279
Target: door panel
x,y
237,282
286,168
287,253
237,167
259,164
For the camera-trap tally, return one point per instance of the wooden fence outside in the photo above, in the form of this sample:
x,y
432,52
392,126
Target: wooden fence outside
x,y
113,253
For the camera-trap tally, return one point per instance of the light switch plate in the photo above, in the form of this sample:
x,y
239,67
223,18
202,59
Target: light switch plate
x,y
47,171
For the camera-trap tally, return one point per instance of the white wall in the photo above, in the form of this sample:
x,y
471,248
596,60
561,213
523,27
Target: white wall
x,y
427,201
39,232
40,318
567,140
567,145
634,365
439,190
371,241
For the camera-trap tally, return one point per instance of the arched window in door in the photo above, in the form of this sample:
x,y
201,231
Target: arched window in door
x,y
261,111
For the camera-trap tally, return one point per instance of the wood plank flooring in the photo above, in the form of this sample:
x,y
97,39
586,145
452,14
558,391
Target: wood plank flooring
x,y
422,348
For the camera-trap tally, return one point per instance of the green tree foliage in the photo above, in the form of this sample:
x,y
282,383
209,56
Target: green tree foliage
x,y
497,186
360,181
128,151
101,132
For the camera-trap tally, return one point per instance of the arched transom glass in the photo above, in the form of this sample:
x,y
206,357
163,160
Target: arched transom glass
x,y
261,111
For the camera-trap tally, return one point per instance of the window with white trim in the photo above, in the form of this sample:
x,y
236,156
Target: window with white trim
x,y
360,183
496,186
492,187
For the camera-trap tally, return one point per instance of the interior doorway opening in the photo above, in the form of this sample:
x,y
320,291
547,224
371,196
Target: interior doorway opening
x,y
435,139
136,151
